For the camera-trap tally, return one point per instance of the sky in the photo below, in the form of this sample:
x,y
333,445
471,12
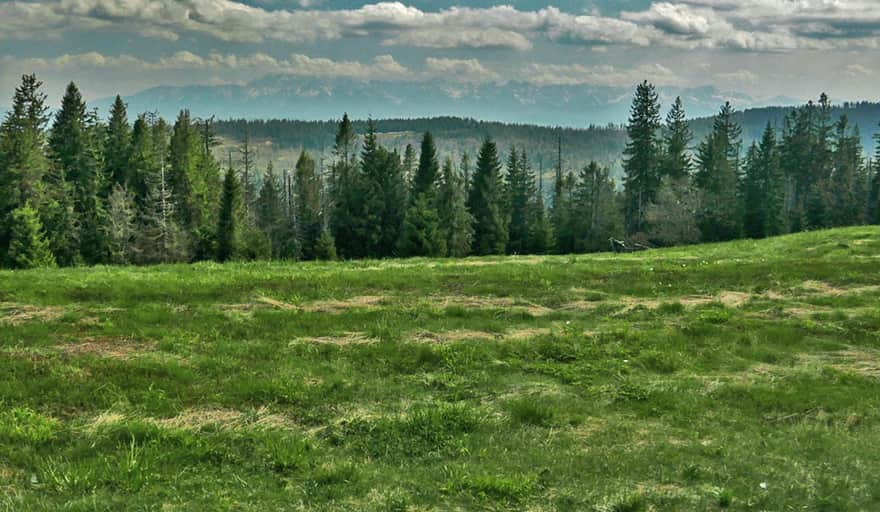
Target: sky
x,y
764,48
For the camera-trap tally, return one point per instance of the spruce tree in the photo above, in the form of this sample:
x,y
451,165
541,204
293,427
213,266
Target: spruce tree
x,y
161,240
227,217
872,211
486,203
345,193
325,247
594,214
307,200
75,148
117,149
521,197
23,164
28,247
268,209
456,223
717,178
183,158
425,180
422,234
641,157
848,179
676,161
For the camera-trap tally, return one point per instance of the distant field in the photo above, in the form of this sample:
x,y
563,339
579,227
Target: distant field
x,y
741,376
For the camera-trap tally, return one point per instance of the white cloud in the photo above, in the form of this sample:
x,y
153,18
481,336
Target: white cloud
x,y
605,75
458,70
759,25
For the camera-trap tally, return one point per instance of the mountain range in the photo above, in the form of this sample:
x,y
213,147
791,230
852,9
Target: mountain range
x,y
291,97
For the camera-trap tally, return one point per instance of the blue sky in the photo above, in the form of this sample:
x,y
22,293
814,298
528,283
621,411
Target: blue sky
x,y
764,48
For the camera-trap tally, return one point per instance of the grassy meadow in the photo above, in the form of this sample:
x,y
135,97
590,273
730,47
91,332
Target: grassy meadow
x,y
739,376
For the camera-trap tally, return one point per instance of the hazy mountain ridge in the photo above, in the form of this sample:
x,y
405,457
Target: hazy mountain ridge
x,y
284,96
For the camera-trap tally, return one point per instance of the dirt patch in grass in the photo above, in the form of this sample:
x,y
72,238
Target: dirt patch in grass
x,y
17,314
113,348
349,338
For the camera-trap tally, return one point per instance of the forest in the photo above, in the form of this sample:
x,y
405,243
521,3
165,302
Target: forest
x,y
78,190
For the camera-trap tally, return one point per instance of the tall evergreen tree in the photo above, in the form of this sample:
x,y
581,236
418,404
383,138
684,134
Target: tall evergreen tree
x,y
717,178
849,178
521,198
75,148
872,212
269,210
117,149
121,227
227,218
456,223
676,162
486,203
307,201
641,157
162,239
425,180
345,193
594,212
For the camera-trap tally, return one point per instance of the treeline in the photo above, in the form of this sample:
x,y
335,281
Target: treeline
x,y
812,174
76,190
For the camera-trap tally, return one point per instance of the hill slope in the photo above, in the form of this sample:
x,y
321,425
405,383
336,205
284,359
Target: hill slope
x,y
742,375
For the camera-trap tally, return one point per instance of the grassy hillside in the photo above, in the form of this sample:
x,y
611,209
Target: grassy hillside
x,y
741,376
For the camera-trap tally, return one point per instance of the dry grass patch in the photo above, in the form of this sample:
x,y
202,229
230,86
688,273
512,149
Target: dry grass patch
x,y
198,419
471,335
343,305
860,361
17,314
489,303
113,348
349,338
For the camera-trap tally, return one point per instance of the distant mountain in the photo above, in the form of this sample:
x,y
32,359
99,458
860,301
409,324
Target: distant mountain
x,y
285,96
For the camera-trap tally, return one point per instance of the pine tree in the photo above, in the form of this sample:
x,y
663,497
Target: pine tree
x,y
641,157
754,189
23,164
226,220
75,148
872,212
848,179
425,180
486,202
456,223
117,149
717,178
28,247
268,209
307,201
540,230
345,193
677,137
183,159
521,197
248,193
325,247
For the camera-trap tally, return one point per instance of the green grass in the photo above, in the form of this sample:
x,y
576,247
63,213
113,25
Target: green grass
x,y
740,376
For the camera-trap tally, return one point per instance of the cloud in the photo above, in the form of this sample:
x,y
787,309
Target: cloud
x,y
857,71
739,77
757,25
257,64
604,75
458,70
